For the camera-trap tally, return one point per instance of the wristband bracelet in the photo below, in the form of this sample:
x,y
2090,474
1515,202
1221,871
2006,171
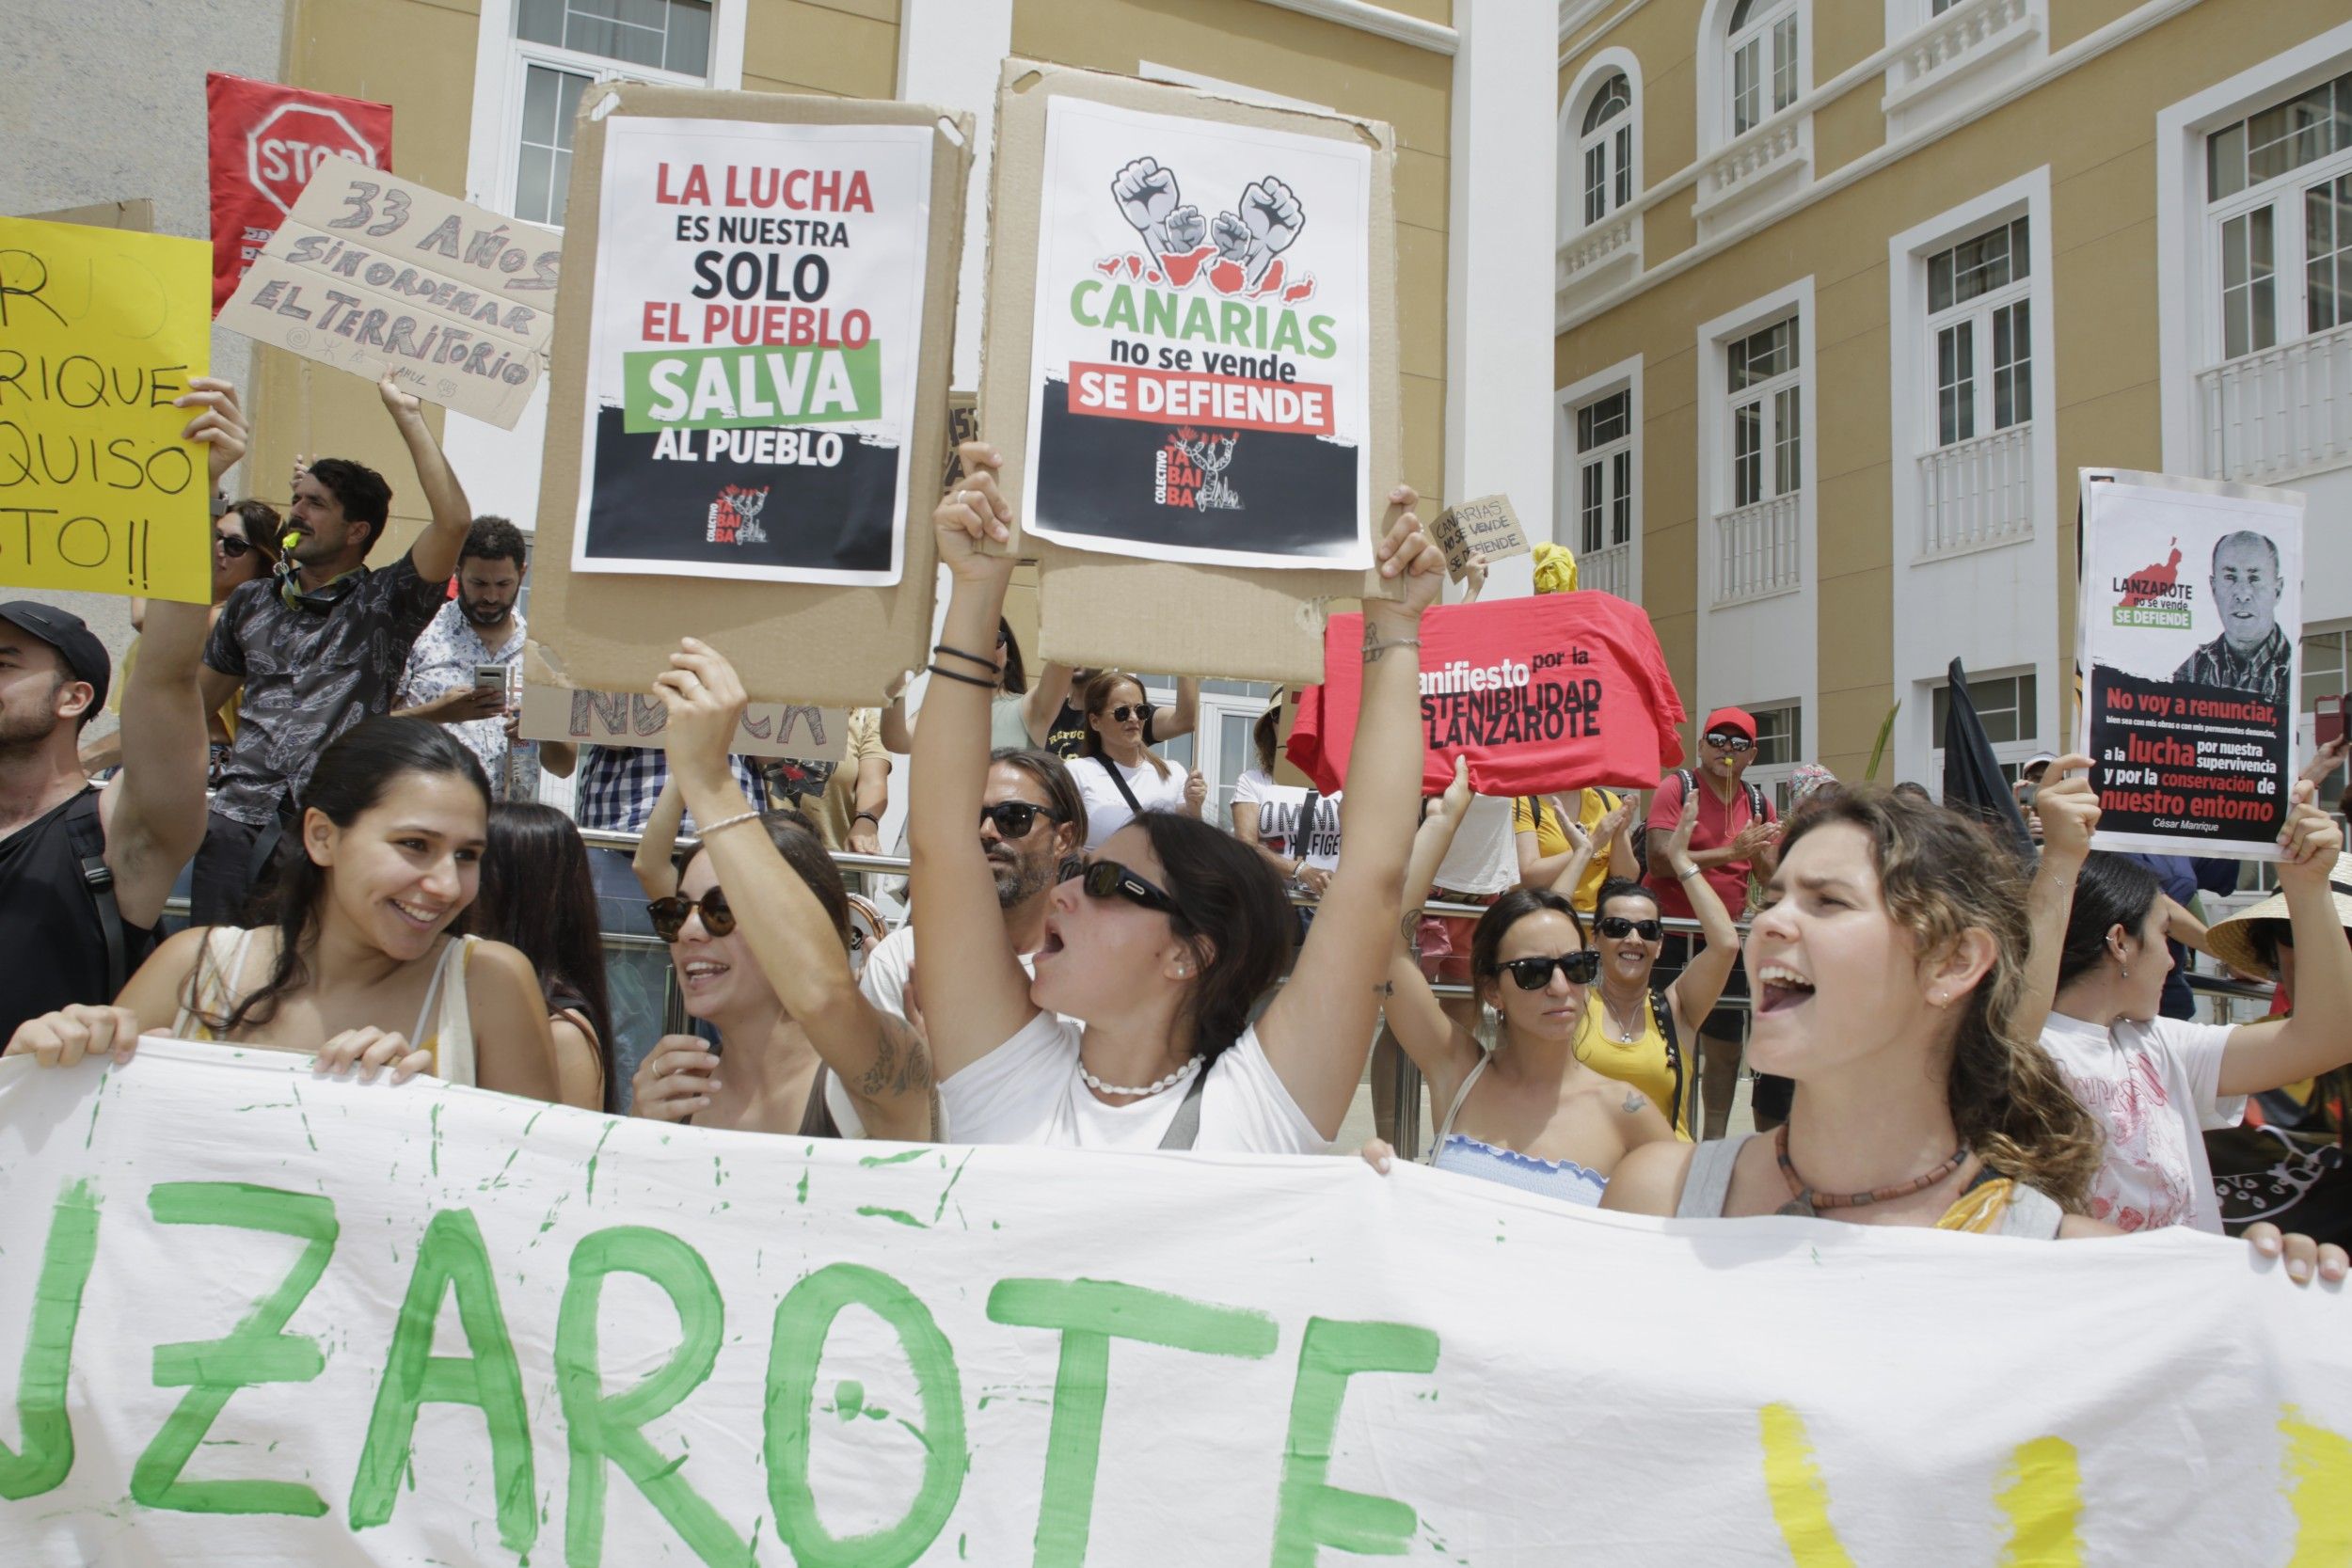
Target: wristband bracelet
x,y
728,822
960,676
866,817
1694,870
959,653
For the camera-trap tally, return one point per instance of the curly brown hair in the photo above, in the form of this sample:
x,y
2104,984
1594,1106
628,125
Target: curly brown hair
x,y
1940,878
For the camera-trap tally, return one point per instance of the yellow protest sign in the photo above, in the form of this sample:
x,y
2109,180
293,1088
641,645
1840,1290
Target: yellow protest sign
x,y
100,329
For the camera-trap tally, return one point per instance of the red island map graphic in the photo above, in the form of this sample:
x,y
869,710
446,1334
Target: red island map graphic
x,y
2154,595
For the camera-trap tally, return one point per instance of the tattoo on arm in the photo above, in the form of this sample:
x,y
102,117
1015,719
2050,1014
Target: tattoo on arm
x,y
901,1064
1408,931
1633,1102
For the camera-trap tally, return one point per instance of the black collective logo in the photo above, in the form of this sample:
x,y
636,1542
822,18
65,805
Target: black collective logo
x,y
735,517
1190,471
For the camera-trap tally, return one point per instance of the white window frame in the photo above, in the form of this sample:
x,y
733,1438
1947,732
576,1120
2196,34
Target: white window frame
x,y
1762,34
1609,251
2188,274
1615,141
1977,315
1626,376
1774,778
1714,68
1714,440
501,63
2290,282
2012,755
1774,399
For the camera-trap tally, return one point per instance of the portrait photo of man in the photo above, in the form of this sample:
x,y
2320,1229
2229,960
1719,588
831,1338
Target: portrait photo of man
x,y
2252,654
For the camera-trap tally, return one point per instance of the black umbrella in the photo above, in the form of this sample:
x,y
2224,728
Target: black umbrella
x,y
1972,780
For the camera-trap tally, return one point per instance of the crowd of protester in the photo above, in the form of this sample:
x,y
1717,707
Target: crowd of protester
x,y
1940,1034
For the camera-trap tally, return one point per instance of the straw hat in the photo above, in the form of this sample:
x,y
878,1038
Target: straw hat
x,y
2232,939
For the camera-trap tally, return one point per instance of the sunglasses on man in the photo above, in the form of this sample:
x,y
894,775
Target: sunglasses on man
x,y
1616,927
1110,879
1014,819
1581,968
1732,743
669,914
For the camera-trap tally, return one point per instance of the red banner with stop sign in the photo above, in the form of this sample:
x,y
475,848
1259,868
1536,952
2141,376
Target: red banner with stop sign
x,y
268,140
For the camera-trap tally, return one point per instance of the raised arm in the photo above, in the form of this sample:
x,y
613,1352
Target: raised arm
x,y
655,861
1319,1030
1436,1043
1044,701
435,553
1701,982
959,929
2318,1036
879,1059
1182,716
2069,815
155,810
897,724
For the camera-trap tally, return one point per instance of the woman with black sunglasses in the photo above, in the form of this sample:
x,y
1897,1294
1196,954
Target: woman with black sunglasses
x,y
759,931
1528,1113
1136,1031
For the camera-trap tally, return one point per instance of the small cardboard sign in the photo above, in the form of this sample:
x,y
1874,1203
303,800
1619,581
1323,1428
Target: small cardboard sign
x,y
373,272
583,718
963,425
1486,525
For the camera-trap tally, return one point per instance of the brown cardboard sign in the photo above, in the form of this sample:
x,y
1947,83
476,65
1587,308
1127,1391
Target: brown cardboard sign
x,y
585,717
1488,525
1100,608
834,644
963,425
373,272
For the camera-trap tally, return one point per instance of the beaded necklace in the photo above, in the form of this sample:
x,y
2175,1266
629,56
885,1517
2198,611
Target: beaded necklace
x,y
1803,1199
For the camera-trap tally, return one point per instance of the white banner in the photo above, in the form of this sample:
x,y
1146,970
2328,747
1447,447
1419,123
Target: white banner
x,y
252,1316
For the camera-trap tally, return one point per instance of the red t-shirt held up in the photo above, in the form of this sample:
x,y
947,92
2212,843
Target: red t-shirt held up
x,y
1555,692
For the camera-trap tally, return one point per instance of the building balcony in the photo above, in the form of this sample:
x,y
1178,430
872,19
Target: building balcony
x,y
1977,494
1958,45
1608,250
2281,413
1759,160
1609,570
1756,550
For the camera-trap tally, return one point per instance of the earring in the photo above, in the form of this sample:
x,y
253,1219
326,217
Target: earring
x,y
2127,970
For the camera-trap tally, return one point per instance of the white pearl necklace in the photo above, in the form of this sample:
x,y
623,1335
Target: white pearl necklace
x,y
1191,1066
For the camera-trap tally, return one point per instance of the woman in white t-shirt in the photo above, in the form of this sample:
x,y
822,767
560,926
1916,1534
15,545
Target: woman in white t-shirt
x,y
1296,828
1136,1032
2156,1084
1117,775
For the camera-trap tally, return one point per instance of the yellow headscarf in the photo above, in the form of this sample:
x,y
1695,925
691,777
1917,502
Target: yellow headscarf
x,y
1555,568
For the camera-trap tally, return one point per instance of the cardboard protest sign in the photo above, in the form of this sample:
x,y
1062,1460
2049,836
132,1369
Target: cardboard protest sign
x,y
266,140
585,718
797,630
1050,305
373,272
1553,692
2190,628
252,1315
963,425
1486,525
100,329
753,365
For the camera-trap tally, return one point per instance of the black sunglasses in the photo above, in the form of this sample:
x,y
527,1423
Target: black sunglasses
x,y
1125,711
1110,879
1014,819
1734,743
1618,926
1581,968
669,914
231,545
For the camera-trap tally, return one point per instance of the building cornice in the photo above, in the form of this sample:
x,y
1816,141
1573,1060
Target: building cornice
x,y
1380,22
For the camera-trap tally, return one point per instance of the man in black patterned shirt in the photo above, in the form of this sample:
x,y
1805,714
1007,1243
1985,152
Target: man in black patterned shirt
x,y
318,647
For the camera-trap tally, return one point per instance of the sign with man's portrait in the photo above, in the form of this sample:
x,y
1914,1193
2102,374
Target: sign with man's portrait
x,y
2190,633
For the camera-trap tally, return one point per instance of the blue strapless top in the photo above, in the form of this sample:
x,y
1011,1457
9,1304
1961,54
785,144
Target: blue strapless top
x,y
1561,1178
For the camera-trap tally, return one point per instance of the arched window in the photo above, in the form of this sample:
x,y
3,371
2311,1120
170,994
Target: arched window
x,y
1605,148
1762,42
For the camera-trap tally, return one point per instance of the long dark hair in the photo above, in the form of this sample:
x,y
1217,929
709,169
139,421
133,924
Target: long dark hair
x,y
354,772
1940,875
1015,678
1098,700
1622,887
2109,891
1232,911
538,896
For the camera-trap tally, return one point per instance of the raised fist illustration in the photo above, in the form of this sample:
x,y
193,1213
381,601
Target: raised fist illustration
x,y
1232,238
1186,229
1146,193
1274,217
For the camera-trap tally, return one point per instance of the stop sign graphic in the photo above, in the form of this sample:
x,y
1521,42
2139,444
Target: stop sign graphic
x,y
289,143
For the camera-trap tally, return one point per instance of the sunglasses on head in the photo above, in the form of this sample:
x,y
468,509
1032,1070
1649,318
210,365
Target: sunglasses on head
x,y
230,545
669,914
1734,743
1617,925
1125,711
1014,819
1110,879
1581,968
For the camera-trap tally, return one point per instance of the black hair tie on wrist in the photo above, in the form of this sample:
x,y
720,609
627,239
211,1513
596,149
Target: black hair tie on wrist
x,y
959,653
960,676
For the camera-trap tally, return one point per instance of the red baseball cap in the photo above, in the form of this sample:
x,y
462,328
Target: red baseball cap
x,y
1737,720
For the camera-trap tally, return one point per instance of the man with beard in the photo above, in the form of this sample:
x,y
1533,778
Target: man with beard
x,y
1031,820
482,627
83,872
318,645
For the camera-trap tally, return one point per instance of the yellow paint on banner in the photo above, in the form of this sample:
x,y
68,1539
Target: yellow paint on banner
x,y
1800,1497
2043,1502
100,329
2318,1466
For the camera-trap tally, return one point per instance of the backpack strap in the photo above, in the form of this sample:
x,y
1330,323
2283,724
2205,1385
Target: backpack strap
x,y
1534,804
85,833
1121,780
1662,1008
1186,1127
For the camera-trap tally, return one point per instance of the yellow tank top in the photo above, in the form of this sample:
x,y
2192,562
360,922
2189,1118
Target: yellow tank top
x,y
1641,1064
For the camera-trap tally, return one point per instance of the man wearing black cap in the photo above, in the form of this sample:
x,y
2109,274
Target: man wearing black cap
x,y
83,872
317,647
